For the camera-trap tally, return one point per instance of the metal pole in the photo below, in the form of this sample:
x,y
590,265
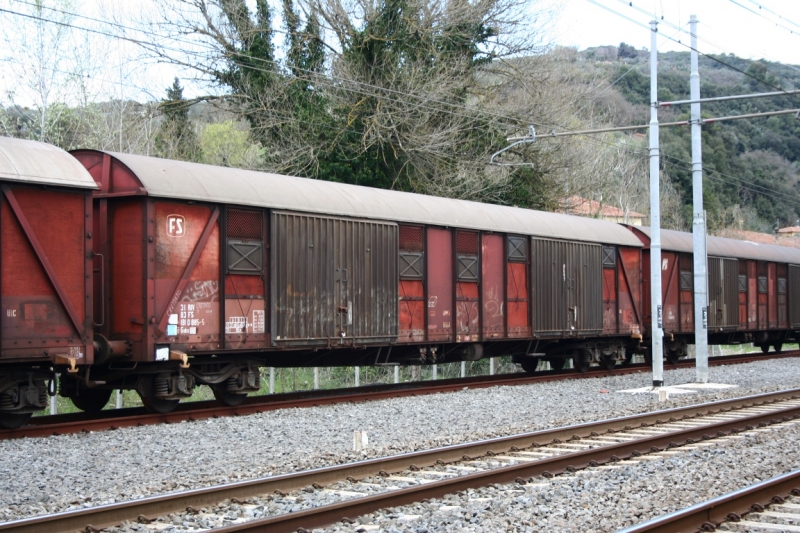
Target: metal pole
x,y
358,375
272,380
316,377
698,220
491,366
54,402
655,218
463,369
435,372
397,374
119,399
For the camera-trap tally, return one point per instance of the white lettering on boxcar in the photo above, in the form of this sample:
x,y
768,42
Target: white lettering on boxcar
x,y
176,226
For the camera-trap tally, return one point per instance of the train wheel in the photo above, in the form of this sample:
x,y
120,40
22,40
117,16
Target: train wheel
x,y
226,397
14,421
778,346
581,360
152,403
765,348
91,400
529,364
673,357
609,362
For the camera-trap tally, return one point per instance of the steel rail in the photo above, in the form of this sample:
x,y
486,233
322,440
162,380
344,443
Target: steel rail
x,y
155,506
722,508
45,426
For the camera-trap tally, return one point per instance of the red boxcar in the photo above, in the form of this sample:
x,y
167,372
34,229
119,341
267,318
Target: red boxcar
x,y
212,272
750,289
45,279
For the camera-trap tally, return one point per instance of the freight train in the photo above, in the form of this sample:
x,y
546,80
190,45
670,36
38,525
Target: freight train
x,y
122,271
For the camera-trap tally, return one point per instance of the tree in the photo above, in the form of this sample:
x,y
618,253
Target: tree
x,y
627,51
176,138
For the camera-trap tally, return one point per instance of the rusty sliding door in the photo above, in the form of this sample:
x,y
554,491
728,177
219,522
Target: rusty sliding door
x,y
335,280
723,293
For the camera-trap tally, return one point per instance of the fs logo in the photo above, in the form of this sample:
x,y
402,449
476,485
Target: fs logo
x,y
176,226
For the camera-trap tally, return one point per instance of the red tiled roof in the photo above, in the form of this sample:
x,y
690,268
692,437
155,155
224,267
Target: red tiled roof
x,y
576,205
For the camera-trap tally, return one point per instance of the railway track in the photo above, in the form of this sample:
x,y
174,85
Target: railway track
x,y
324,496
772,505
45,426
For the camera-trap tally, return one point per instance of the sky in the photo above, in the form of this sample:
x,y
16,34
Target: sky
x,y
755,29
747,28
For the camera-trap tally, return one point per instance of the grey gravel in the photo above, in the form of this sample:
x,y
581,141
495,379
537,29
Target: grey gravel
x,y
44,475
601,500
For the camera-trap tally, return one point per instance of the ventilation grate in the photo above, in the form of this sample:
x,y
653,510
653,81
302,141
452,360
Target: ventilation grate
x,y
466,242
411,238
245,225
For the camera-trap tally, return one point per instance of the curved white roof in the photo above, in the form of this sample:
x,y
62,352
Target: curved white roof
x,y
35,162
679,241
193,181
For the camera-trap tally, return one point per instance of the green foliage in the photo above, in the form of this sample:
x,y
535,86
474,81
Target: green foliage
x,y
228,145
176,138
750,164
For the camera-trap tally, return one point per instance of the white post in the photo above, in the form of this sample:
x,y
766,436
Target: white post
x,y
698,221
435,372
272,380
54,405
655,218
491,366
357,375
397,374
463,369
316,377
119,399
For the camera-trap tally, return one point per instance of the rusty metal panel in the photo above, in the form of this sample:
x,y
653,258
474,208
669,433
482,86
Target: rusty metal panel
x,y
630,290
440,284
36,162
492,278
192,181
772,282
518,302
335,281
187,295
794,296
723,293
610,311
46,288
670,295
567,287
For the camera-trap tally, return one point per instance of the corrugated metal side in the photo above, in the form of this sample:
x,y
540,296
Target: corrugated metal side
x,y
587,267
333,280
723,292
794,296
567,287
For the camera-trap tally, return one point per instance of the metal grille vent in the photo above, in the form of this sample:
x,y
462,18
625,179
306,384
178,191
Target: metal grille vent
x,y
411,238
466,242
686,280
245,225
762,284
742,283
517,249
609,256
781,285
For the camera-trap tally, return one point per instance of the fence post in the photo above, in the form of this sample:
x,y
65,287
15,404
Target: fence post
x,y
435,371
316,377
397,374
119,399
358,375
491,366
463,369
272,380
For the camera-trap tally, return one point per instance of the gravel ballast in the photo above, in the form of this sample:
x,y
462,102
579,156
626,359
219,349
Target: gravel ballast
x,y
45,475
598,499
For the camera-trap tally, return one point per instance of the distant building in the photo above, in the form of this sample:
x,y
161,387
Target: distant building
x,y
785,236
583,207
